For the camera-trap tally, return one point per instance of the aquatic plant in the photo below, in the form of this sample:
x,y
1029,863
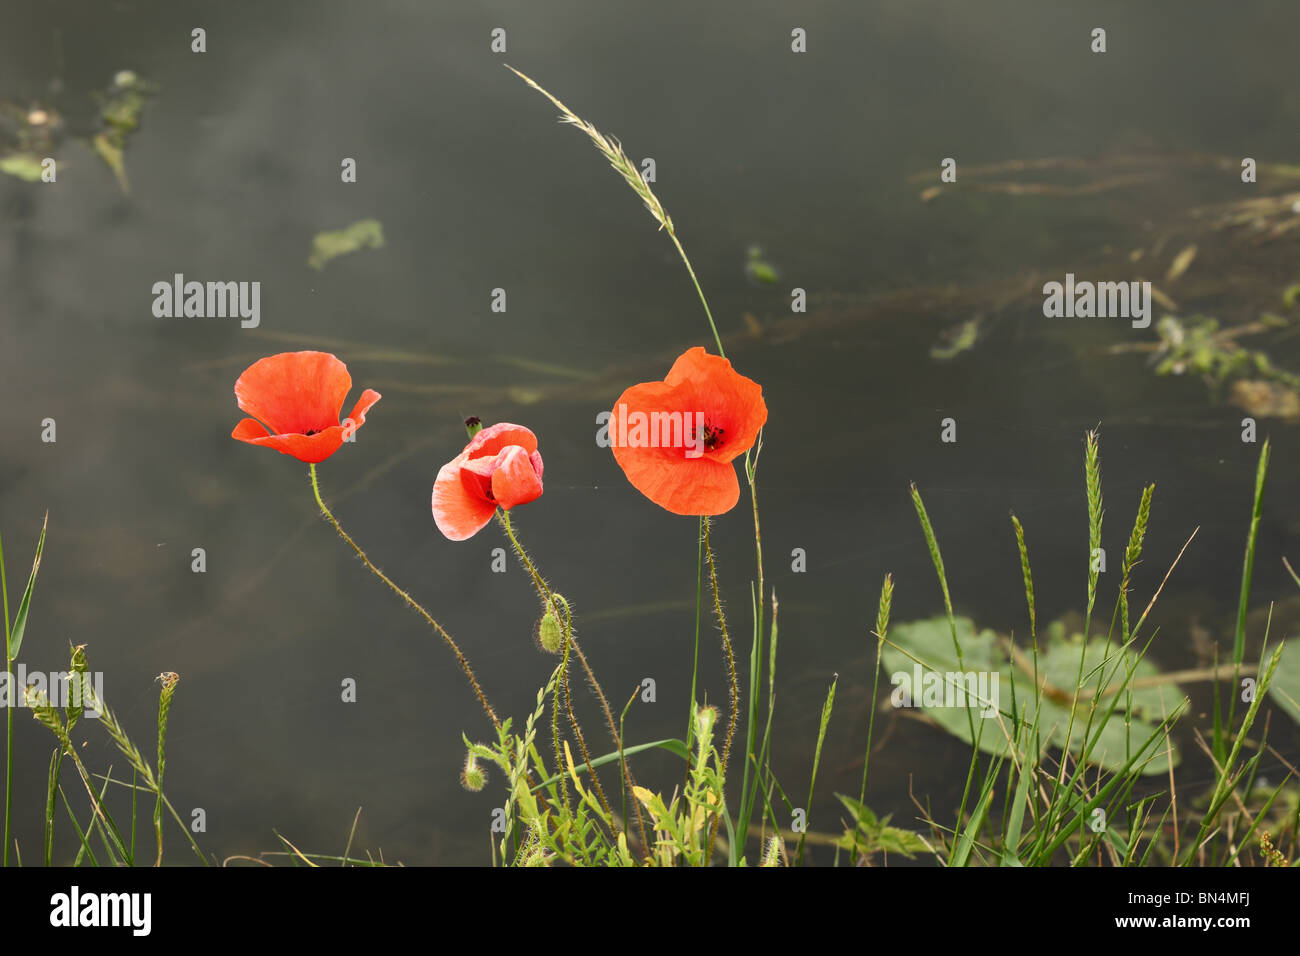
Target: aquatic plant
x,y
329,245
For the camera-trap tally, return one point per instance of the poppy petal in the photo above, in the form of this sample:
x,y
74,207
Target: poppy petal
x,y
735,403
638,406
653,429
458,513
492,439
363,405
650,468
515,480
295,392
476,476
311,449
249,429
699,487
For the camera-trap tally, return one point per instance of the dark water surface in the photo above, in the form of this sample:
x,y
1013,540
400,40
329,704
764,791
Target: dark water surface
x,y
236,167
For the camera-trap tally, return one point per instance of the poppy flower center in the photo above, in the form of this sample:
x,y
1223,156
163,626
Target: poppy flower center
x,y
711,437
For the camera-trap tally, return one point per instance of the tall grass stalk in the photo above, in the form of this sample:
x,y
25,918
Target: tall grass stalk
x,y
1247,574
882,629
1132,554
612,150
14,632
1092,478
748,793
817,757
168,680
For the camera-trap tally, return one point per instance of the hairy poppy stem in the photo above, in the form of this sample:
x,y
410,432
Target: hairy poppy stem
x,y
731,669
544,592
548,598
464,662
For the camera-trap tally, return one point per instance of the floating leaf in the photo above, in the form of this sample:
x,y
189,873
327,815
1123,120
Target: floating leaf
x,y
758,270
363,234
1285,687
1181,263
1265,399
119,116
1197,345
960,338
22,165
28,132
108,149
1105,671
524,395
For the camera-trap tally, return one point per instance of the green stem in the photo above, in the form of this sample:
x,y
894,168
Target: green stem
x,y
672,234
695,660
548,599
464,663
747,798
731,674
726,647
871,723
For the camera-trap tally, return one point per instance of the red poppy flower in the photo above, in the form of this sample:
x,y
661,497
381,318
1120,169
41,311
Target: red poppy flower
x,y
295,399
675,439
500,466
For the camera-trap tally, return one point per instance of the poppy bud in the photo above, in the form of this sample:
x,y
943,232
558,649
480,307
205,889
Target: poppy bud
x,y
550,635
473,778
705,718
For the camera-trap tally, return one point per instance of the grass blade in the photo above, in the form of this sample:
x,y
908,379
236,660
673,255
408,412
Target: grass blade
x,y
817,755
20,618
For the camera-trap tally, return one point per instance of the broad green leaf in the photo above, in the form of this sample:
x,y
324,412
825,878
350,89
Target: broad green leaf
x,y
1285,688
1110,744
